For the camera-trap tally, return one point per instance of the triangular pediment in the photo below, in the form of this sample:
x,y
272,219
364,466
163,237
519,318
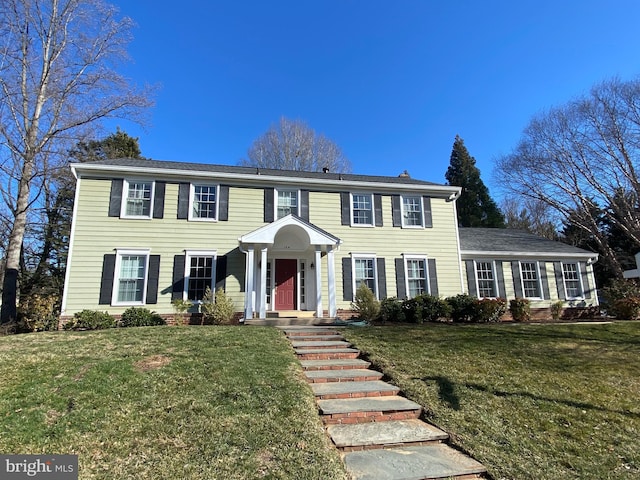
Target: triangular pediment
x,y
267,235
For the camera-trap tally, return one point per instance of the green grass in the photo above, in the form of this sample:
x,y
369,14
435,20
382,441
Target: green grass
x,y
528,401
164,403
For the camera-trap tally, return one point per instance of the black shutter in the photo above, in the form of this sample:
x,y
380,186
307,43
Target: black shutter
x,y
585,280
183,200
471,278
347,279
396,211
223,206
377,207
433,277
402,289
221,272
106,282
545,281
158,200
115,197
304,204
345,208
152,279
517,284
178,277
502,289
382,279
557,269
426,205
268,204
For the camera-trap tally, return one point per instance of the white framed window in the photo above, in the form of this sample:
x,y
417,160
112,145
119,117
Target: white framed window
x,y
131,275
287,202
365,270
486,279
137,201
200,273
530,275
572,280
203,202
362,209
412,215
416,275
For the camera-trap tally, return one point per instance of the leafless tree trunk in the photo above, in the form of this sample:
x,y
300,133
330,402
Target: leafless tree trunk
x,y
56,79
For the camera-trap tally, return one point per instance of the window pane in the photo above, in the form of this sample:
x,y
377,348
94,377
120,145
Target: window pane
x,y
412,207
571,275
287,202
362,210
200,272
416,276
365,273
530,283
486,280
138,202
204,201
131,280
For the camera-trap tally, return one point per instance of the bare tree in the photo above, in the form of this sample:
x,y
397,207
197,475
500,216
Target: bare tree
x,y
57,79
292,145
578,158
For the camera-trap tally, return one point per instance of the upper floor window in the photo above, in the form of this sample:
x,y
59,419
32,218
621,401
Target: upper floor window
x,y
200,271
412,211
416,276
362,209
204,202
486,279
572,282
530,279
287,203
138,197
130,277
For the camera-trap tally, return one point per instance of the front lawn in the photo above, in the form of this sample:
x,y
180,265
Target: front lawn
x,y
529,401
164,403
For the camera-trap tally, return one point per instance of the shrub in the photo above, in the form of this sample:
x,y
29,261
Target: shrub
x,y
520,309
463,307
433,308
556,309
627,308
140,317
391,310
90,320
365,303
180,307
218,309
38,312
620,289
489,310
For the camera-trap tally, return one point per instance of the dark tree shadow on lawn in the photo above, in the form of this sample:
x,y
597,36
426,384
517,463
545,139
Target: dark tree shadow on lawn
x,y
446,390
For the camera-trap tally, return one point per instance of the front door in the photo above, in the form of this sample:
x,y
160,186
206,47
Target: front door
x,y
285,277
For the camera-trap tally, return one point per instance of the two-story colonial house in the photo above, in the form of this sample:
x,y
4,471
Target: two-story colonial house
x,y
148,232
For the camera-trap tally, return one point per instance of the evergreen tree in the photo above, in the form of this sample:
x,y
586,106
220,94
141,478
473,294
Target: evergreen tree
x,y
475,206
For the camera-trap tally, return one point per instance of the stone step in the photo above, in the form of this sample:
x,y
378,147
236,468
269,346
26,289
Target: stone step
x,y
318,338
368,409
415,462
333,365
319,344
327,353
361,436
343,375
309,331
375,388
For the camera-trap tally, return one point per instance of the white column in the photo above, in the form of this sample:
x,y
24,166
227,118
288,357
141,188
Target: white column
x,y
249,289
318,270
331,274
262,302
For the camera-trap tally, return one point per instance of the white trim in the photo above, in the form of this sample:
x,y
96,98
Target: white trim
x,y
72,238
192,187
125,196
424,258
509,255
373,210
275,201
120,252
364,256
213,254
538,279
494,273
564,281
463,287
402,212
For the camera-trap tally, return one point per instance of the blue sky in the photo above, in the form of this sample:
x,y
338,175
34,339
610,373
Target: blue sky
x,y
390,82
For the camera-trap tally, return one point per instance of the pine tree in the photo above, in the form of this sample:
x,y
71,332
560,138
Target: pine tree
x,y
475,206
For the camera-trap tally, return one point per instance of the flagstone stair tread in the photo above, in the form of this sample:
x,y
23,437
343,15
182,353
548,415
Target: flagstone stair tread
x,y
337,363
337,388
320,344
342,375
391,403
303,351
384,433
410,463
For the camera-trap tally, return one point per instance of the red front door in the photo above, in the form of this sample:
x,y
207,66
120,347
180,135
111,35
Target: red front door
x,y
285,276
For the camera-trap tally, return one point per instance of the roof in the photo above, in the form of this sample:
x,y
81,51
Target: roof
x,y
262,175
510,242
